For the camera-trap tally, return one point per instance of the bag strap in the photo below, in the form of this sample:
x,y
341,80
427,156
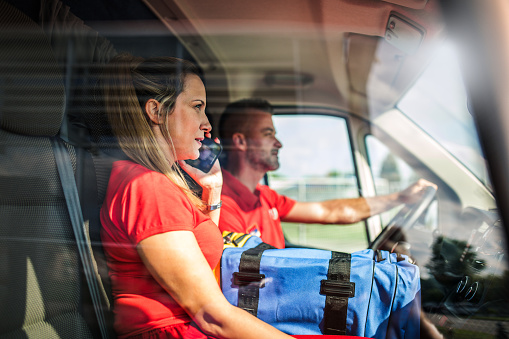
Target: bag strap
x,y
70,190
337,289
249,279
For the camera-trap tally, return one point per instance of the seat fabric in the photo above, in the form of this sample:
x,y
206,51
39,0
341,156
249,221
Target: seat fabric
x,y
40,276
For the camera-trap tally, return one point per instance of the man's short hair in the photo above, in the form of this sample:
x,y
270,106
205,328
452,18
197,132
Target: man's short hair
x,y
235,118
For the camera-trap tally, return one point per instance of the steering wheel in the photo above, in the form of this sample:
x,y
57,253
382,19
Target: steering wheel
x,y
404,219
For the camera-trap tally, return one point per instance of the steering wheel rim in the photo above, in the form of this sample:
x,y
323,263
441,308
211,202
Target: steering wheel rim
x,y
406,217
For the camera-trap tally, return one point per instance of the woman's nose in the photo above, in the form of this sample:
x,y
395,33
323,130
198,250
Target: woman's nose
x,y
205,126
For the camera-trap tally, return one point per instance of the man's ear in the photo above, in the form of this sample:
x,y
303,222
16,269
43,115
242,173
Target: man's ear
x,y
239,141
152,110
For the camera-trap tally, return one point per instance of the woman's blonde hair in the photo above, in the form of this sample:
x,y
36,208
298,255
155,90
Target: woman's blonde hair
x,y
128,83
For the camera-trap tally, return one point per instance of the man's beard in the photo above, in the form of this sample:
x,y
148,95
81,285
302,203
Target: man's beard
x,y
260,160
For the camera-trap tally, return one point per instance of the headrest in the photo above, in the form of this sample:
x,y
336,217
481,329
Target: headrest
x,y
32,95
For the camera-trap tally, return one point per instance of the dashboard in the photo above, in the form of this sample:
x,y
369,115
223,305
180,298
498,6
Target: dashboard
x,y
468,269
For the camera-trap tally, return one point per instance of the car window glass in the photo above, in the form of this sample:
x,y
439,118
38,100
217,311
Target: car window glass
x,y
392,174
440,95
314,168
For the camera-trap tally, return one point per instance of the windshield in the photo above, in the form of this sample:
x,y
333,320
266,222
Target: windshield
x,y
440,95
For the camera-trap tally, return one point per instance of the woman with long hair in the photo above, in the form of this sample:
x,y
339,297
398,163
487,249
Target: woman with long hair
x,y
161,240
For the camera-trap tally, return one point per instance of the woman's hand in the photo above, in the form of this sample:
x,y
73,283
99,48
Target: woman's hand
x,y
211,183
211,180
208,181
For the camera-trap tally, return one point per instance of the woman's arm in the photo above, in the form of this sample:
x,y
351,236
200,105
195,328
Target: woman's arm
x,y
175,260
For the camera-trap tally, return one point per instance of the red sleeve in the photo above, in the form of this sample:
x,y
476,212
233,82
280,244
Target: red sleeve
x,y
152,204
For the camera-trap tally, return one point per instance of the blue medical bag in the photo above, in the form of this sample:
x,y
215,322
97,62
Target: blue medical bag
x,y
367,293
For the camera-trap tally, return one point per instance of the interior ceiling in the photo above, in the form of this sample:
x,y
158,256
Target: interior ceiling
x,y
246,40
328,53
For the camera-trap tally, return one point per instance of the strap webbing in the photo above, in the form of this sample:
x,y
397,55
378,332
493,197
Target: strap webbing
x,y
249,278
337,289
70,190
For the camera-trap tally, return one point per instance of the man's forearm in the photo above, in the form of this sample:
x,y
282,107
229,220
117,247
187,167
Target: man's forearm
x,y
341,211
349,211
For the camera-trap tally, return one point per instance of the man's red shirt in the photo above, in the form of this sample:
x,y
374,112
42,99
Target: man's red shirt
x,y
256,213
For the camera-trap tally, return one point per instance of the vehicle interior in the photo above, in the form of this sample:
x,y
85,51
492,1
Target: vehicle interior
x,y
369,96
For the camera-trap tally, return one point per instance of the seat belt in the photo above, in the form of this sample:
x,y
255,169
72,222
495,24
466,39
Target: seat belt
x,y
70,190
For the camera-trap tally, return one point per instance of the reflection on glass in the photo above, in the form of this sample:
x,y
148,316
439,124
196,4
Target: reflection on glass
x,y
467,286
438,103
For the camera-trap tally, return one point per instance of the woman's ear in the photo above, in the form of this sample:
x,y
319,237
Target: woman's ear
x,y
239,141
152,107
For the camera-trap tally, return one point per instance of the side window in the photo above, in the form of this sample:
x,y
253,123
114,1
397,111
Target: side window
x,y
392,174
317,164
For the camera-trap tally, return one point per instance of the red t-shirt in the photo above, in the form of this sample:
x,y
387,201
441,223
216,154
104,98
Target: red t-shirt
x,y
141,203
256,213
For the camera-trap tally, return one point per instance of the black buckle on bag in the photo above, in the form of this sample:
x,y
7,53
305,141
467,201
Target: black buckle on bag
x,y
252,279
378,256
337,288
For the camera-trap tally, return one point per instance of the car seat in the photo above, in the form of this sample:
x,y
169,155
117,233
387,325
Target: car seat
x,y
42,289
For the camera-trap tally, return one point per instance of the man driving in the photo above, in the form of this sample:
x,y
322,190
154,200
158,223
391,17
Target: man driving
x,y
250,151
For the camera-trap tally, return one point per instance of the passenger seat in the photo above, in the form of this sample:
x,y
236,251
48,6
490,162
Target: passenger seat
x,y
42,290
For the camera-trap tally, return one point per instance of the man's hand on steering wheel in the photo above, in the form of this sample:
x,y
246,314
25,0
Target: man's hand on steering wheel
x,y
415,192
417,198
